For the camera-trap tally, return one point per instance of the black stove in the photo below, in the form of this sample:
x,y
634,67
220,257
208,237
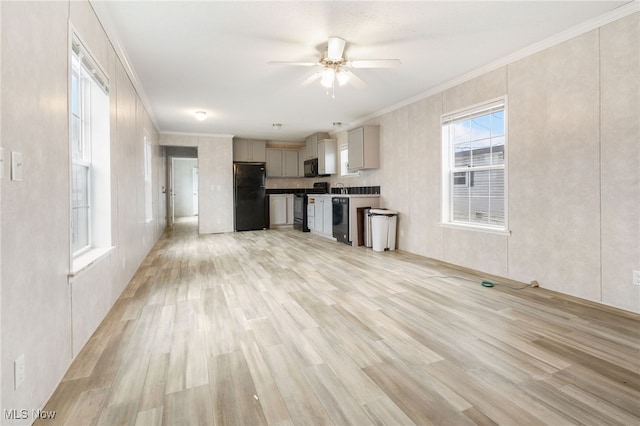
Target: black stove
x,y
300,205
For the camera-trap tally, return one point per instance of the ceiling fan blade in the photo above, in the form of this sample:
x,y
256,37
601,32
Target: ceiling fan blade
x,y
294,63
313,77
335,48
374,63
356,81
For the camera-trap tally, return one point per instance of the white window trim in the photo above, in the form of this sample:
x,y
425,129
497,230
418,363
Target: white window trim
x,y
84,258
446,176
348,174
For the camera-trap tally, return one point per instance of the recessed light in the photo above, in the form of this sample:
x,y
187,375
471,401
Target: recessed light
x,y
201,115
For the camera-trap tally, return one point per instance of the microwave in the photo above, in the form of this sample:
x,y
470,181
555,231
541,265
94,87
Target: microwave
x,y
311,167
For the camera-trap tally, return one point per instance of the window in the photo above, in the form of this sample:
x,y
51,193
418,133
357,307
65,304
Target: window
x,y
90,153
474,167
344,161
148,191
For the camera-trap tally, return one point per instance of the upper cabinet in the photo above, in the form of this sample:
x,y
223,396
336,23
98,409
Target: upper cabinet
x,y
274,162
282,162
312,147
364,148
312,144
302,155
327,157
249,150
289,163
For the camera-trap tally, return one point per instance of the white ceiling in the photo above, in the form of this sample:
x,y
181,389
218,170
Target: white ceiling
x,y
213,55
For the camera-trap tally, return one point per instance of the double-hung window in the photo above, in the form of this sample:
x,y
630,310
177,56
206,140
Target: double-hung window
x,y
90,153
474,175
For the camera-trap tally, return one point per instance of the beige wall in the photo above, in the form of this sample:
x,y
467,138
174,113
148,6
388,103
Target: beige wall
x,y
45,315
573,176
215,179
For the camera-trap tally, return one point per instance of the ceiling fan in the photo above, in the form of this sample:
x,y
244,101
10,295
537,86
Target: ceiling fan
x,y
335,68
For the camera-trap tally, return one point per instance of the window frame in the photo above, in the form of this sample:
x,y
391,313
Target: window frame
x,y
449,168
344,165
92,153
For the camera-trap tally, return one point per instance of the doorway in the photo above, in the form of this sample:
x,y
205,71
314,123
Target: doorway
x,y
184,187
182,184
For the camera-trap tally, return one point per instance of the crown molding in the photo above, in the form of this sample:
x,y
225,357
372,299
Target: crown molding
x,y
590,25
114,38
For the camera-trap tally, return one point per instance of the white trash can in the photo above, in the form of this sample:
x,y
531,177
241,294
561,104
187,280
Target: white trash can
x,y
383,229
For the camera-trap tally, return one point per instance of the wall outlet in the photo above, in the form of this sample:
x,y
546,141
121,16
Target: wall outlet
x,y
18,371
636,277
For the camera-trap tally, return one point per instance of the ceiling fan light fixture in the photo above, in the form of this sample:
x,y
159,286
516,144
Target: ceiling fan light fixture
x,y
328,75
343,77
201,115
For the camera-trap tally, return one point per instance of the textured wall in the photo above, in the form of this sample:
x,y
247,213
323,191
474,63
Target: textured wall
x,y
45,315
215,156
620,159
215,174
35,233
573,176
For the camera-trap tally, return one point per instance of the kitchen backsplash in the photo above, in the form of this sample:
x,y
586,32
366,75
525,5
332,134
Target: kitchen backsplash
x,y
349,189
357,190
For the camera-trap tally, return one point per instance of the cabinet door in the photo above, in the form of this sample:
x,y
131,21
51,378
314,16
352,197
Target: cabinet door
x,y
241,151
327,157
356,149
290,209
312,147
277,210
258,151
327,216
290,163
319,213
322,166
274,163
302,155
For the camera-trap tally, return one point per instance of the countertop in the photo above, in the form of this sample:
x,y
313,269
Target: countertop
x,y
346,195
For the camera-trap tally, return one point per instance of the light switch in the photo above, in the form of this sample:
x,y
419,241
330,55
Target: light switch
x,y
16,166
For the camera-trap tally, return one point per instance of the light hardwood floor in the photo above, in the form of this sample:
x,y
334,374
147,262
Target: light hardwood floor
x,y
280,327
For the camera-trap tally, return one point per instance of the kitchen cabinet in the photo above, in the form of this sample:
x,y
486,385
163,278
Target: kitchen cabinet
x,y
282,163
289,163
312,147
249,150
327,157
280,209
312,144
327,217
364,148
311,213
320,215
274,162
302,155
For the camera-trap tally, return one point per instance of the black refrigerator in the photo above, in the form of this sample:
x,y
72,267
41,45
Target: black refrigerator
x,y
249,196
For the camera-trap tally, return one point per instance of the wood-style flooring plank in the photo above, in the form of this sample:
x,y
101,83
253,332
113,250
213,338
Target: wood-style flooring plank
x,y
286,328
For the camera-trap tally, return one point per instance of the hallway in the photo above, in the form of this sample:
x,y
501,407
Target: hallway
x,y
281,327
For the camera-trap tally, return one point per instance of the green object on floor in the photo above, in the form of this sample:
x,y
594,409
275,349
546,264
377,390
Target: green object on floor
x,y
487,284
